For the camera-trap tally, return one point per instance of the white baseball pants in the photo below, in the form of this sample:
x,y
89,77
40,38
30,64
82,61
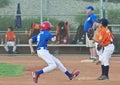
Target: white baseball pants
x,y
106,54
10,43
52,61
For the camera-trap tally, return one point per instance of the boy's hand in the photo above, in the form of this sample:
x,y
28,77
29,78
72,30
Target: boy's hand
x,y
32,52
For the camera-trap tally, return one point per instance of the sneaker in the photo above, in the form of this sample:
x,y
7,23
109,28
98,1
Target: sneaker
x,y
14,52
93,58
35,77
74,74
102,77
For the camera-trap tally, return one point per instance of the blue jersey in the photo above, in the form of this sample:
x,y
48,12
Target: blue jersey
x,y
42,39
89,22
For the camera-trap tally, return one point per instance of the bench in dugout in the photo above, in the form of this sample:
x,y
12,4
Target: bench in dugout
x,y
54,48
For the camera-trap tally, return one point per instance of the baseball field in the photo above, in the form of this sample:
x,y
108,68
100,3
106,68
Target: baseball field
x,y
89,71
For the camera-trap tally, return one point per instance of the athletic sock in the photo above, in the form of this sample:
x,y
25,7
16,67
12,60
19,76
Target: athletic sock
x,y
106,69
102,68
68,73
39,72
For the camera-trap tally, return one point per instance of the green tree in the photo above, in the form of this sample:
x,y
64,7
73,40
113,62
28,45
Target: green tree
x,y
82,16
114,16
4,3
114,1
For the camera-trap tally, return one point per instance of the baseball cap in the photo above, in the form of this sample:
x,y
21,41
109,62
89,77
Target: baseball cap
x,y
90,7
103,21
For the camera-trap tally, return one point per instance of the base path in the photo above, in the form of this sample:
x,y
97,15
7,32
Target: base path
x,y
89,71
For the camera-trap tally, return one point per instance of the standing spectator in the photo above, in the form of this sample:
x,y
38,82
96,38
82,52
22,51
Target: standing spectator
x,y
62,33
10,40
90,23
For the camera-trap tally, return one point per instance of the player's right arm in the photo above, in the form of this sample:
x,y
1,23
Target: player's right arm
x,y
31,47
31,40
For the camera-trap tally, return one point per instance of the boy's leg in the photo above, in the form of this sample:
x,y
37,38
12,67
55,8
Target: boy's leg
x,y
64,70
6,47
105,61
44,54
14,47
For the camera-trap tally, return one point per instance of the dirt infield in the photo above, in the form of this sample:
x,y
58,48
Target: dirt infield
x,y
89,71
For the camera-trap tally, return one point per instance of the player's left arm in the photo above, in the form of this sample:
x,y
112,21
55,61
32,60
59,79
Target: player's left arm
x,y
53,39
95,24
14,38
68,30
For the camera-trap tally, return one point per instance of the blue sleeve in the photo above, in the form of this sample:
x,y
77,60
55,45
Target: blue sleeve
x,y
50,36
93,18
34,38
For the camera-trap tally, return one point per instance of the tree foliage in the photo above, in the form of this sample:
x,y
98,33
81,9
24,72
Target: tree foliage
x,y
114,1
4,3
81,18
113,17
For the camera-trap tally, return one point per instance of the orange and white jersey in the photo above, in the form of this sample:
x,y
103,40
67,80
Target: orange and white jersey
x,y
10,36
104,36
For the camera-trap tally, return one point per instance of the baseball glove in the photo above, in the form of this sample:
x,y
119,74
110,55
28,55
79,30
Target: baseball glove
x,y
90,33
99,47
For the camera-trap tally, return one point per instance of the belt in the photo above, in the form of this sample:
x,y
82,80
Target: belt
x,y
10,40
39,48
108,44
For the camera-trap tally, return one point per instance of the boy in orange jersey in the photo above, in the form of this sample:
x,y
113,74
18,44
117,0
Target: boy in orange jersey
x,y
104,38
10,40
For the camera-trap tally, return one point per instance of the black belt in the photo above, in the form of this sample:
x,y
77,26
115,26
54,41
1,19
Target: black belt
x,y
39,48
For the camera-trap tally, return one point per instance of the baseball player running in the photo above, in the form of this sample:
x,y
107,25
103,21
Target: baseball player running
x,y
104,38
42,50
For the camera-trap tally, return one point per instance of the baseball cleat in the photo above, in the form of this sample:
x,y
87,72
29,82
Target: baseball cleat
x,y
103,77
35,77
74,74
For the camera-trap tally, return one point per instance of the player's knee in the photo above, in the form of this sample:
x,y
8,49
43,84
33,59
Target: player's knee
x,y
106,64
53,66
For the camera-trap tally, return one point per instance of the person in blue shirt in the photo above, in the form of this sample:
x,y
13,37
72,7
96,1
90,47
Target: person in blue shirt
x,y
42,51
90,23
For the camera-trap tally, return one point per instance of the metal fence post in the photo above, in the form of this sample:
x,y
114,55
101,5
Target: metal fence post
x,y
48,9
106,10
41,11
101,8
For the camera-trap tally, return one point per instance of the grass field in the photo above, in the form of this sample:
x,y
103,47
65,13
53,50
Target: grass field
x,y
7,69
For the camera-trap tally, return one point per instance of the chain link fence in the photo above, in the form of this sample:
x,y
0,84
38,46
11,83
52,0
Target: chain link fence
x,y
72,11
52,10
